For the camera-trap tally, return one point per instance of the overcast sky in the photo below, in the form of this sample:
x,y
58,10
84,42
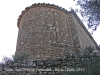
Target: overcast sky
x,y
9,13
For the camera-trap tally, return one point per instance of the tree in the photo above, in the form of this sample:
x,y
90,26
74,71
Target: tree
x,y
90,11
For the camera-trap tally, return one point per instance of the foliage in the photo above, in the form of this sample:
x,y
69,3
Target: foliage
x,y
88,51
91,62
15,58
7,60
20,57
90,11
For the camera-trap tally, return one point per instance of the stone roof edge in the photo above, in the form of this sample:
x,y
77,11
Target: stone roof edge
x,y
39,5
82,25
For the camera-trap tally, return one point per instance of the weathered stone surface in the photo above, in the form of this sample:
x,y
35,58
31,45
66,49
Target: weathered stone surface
x,y
48,31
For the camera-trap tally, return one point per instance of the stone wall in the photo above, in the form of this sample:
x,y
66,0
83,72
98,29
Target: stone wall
x,y
59,66
46,32
85,38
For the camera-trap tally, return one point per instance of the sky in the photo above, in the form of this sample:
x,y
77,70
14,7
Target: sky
x,y
9,13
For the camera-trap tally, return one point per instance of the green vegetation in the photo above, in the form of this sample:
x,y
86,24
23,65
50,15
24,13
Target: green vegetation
x,y
20,57
90,11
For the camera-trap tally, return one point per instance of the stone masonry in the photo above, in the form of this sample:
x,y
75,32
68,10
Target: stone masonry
x,y
48,32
